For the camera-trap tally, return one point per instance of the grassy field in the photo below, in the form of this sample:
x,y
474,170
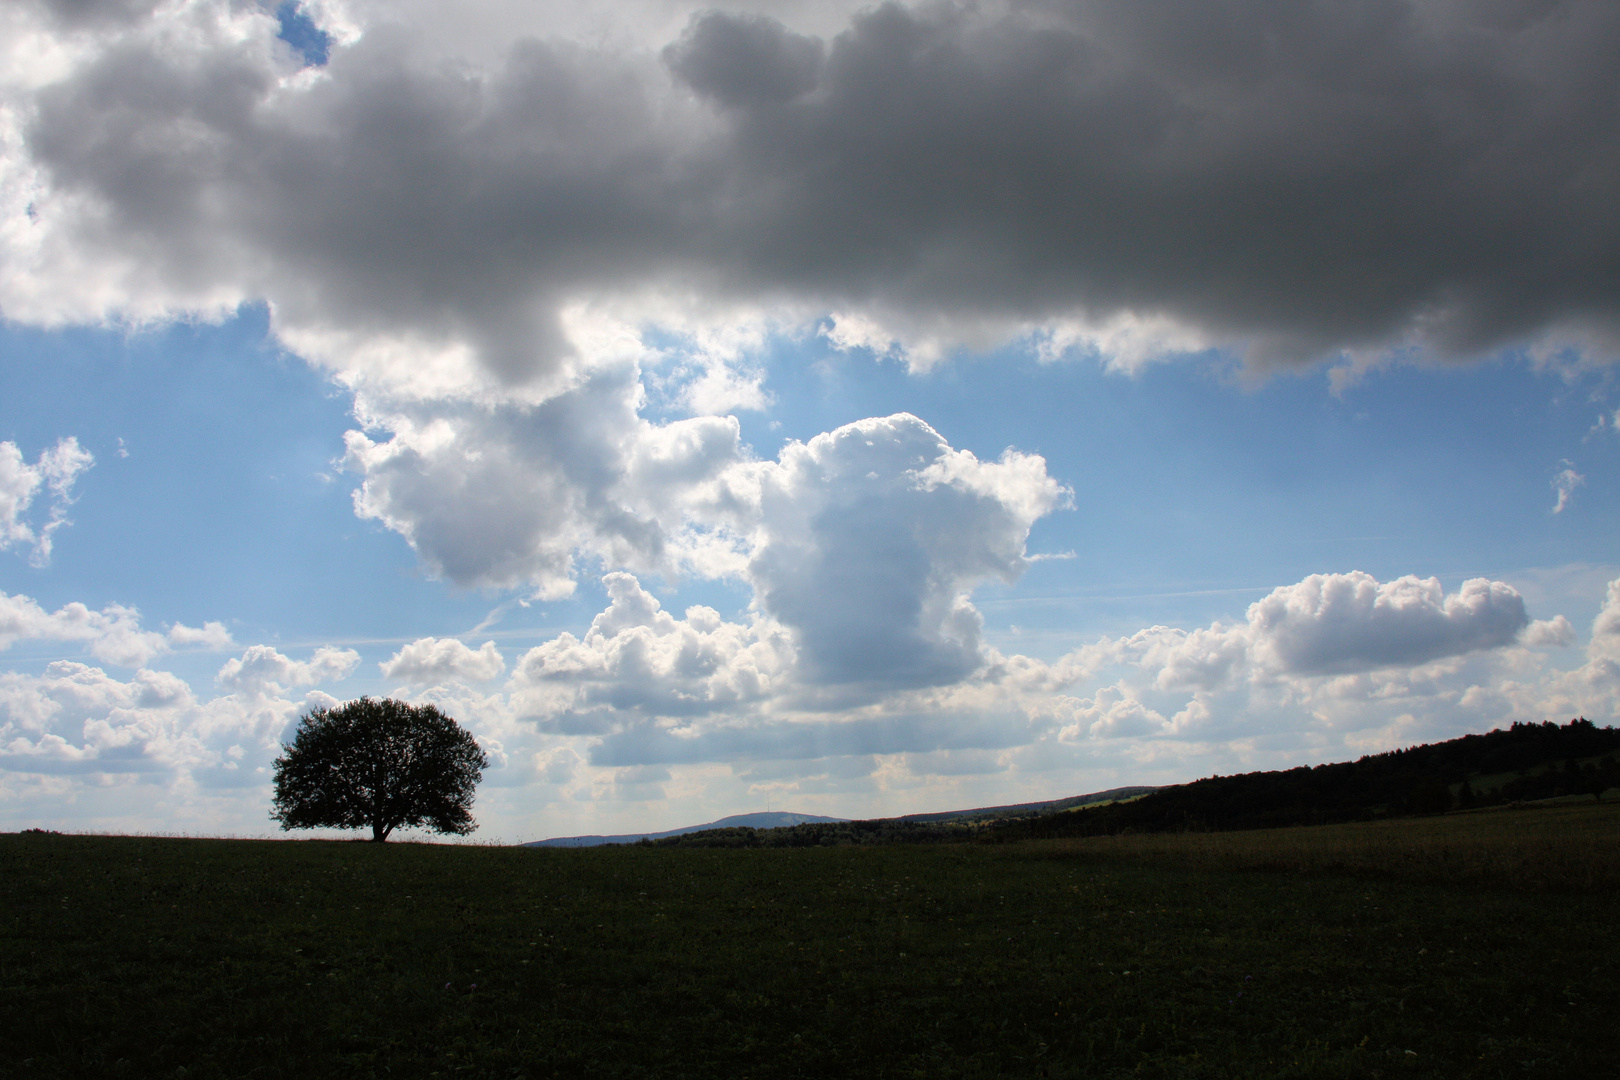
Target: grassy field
x,y
1560,846
1479,945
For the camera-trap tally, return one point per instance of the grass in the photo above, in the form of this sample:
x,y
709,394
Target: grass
x,y
1480,945
1569,844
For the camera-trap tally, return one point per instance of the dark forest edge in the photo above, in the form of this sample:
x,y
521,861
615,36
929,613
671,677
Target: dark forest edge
x,y
1522,763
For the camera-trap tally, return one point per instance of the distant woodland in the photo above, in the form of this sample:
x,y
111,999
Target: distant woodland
x,y
1523,763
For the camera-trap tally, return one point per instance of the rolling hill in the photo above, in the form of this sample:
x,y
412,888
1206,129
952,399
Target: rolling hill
x,y
1518,764
775,819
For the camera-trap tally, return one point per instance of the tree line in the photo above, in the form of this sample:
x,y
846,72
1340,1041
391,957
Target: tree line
x,y
1525,761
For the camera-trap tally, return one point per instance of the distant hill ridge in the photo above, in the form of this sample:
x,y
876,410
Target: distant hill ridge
x,y
911,829
1521,763
781,819
1016,810
770,819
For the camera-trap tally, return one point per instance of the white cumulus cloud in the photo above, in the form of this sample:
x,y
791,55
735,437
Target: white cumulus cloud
x,y
77,721
505,496
113,634
870,539
429,659
639,660
262,670
1332,623
210,635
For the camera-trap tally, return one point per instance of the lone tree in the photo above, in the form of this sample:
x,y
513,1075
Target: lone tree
x,y
379,763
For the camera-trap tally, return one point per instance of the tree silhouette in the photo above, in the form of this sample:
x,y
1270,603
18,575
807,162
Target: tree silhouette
x,y
383,764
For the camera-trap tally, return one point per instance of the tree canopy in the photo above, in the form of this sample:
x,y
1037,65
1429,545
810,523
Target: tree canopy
x,y
379,763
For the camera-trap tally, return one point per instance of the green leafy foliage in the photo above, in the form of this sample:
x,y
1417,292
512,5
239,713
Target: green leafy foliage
x,y
378,764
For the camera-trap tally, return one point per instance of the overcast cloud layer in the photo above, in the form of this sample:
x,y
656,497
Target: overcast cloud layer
x,y
542,247
1293,181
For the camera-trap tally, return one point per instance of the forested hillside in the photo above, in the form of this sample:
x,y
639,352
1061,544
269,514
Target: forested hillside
x,y
911,829
1523,762
1520,763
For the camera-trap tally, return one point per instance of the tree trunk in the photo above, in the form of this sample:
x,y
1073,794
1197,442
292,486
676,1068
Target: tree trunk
x,y
379,832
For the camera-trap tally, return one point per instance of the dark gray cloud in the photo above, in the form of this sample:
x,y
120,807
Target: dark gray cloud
x,y
1308,176
745,60
78,14
1290,178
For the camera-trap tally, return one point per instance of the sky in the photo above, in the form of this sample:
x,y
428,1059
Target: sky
x,y
850,409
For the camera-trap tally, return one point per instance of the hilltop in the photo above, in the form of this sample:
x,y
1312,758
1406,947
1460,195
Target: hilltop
x,y
909,829
770,819
1518,764
1521,763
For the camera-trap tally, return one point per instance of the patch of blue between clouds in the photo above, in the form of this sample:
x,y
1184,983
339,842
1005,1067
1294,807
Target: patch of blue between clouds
x,y
300,31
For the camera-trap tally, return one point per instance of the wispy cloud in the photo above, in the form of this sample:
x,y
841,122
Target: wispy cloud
x,y
55,471
1564,482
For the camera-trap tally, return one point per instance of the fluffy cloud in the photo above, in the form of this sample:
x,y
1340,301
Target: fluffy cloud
x,y
1113,713
55,470
637,660
1340,662
210,635
1327,624
427,660
1351,622
1606,627
865,541
507,495
872,536
113,634
1555,632
1332,653
77,720
261,670
648,704
431,205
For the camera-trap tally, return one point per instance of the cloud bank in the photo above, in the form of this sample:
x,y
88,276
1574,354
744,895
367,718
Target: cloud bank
x,y
113,634
649,706
436,204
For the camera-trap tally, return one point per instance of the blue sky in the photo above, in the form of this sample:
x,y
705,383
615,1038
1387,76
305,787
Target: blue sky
x,y
688,504
1193,492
